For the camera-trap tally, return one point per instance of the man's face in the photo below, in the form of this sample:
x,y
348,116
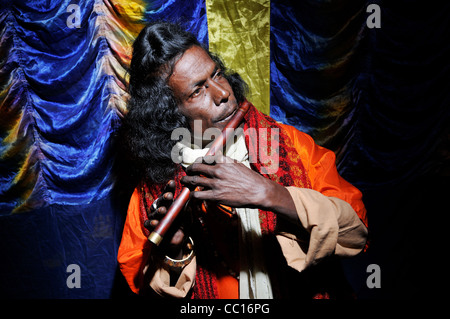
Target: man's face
x,y
202,91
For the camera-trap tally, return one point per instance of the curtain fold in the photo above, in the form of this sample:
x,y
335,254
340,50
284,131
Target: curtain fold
x,y
63,81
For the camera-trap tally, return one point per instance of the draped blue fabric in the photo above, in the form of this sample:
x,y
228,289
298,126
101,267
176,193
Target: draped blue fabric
x,y
315,64
377,97
58,75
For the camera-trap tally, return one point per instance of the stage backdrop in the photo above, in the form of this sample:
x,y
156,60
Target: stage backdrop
x,y
370,85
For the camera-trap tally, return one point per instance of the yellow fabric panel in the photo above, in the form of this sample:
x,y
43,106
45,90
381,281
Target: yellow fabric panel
x,y
239,31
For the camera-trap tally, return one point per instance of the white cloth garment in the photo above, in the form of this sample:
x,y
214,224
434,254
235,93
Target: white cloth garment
x,y
254,282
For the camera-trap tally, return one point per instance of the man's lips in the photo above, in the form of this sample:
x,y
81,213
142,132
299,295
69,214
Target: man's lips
x,y
226,118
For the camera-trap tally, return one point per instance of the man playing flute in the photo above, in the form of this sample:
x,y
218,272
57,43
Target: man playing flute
x,y
262,224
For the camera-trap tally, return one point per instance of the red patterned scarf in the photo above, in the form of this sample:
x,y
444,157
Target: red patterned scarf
x,y
290,172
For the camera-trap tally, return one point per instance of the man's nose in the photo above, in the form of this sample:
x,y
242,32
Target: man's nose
x,y
218,92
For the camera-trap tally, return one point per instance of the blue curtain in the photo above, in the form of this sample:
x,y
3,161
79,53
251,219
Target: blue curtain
x,y
379,98
63,95
373,95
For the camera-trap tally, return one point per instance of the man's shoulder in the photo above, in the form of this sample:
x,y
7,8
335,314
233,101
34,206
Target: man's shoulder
x,y
297,136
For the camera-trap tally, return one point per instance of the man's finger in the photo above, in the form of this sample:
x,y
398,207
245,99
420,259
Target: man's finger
x,y
150,224
200,169
196,180
203,195
170,186
154,222
161,210
168,196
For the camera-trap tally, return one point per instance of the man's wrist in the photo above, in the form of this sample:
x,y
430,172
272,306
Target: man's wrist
x,y
279,200
269,199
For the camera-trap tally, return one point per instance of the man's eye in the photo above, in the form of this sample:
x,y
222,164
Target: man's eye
x,y
196,92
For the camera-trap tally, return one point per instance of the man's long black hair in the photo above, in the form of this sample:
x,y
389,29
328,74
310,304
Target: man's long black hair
x,y
145,134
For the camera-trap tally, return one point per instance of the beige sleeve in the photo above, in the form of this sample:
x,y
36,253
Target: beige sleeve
x,y
160,281
333,226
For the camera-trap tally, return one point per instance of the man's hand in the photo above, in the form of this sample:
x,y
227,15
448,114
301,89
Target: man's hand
x,y
158,210
230,183
227,182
